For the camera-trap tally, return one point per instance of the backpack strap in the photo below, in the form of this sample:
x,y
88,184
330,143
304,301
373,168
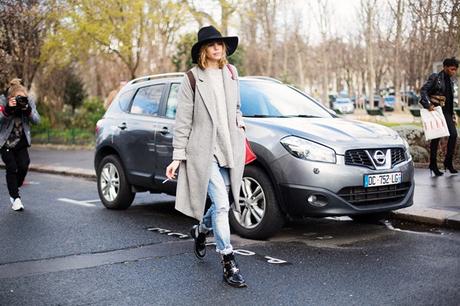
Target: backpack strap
x,y
192,80
231,71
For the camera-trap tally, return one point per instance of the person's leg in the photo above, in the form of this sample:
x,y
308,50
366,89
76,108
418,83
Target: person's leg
x,y
218,192
434,151
11,172
433,157
448,161
199,232
206,223
22,162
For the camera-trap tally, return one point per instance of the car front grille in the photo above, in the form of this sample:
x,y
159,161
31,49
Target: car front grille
x,y
358,158
397,156
362,157
360,196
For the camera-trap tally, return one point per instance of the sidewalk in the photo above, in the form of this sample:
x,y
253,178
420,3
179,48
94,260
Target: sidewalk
x,y
436,199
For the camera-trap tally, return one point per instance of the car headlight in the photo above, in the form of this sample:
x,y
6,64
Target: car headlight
x,y
308,150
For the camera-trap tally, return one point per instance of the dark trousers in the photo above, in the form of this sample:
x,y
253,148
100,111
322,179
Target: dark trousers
x,y
450,143
16,164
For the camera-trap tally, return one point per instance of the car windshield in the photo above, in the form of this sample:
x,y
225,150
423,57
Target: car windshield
x,y
270,99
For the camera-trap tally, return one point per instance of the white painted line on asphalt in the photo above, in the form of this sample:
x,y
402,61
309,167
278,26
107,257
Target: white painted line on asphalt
x,y
93,201
81,203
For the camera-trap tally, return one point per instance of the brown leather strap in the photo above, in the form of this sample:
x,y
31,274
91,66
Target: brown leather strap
x,y
192,81
231,71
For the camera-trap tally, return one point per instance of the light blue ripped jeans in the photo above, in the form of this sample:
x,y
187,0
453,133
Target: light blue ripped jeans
x,y
216,218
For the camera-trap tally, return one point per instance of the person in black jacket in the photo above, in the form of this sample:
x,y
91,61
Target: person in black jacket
x,y
438,90
17,111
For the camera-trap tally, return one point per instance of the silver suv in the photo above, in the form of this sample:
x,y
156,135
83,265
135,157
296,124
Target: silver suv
x,y
309,161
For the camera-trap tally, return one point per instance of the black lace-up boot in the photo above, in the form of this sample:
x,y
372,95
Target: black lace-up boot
x,y
231,272
200,241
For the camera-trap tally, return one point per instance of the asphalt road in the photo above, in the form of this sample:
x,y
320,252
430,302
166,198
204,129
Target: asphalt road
x,y
66,249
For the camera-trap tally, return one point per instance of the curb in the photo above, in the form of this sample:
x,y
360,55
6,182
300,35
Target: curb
x,y
430,216
70,171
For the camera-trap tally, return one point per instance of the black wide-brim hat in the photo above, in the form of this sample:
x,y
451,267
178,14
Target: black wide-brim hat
x,y
209,34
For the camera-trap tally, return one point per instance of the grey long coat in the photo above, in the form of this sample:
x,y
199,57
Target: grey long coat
x,y
195,139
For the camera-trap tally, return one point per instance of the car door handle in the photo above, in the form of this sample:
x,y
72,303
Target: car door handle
x,y
164,130
122,126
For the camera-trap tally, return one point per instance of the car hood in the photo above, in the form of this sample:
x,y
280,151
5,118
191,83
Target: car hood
x,y
337,133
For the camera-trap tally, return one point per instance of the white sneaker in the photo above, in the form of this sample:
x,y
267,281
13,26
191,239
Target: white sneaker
x,y
17,205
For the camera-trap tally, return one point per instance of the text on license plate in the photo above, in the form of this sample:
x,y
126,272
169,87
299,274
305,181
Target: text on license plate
x,y
371,180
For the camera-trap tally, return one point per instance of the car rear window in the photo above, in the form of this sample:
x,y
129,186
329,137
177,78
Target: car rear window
x,y
125,99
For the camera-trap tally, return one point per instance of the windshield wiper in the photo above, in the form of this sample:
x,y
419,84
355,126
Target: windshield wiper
x,y
302,116
264,116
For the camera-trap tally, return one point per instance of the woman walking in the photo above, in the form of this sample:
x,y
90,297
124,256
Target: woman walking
x,y
438,90
16,113
209,147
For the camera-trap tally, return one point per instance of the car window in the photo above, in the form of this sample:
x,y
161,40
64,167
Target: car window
x,y
147,100
172,101
125,100
270,99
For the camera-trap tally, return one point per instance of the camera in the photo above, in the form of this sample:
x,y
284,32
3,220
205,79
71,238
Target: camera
x,y
22,101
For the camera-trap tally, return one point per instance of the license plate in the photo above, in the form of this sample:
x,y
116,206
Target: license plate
x,y
371,180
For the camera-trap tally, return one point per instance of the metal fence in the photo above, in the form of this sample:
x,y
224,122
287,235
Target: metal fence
x,y
66,136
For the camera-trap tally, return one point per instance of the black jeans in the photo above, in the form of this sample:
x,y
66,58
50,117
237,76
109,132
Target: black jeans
x,y
16,164
450,143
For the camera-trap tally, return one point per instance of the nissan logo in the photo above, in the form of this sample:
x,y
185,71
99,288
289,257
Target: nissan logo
x,y
379,157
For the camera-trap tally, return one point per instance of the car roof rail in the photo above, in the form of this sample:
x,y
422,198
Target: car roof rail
x,y
156,76
261,77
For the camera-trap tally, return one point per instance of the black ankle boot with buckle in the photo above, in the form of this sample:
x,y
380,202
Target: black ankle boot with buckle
x,y
200,241
448,165
231,272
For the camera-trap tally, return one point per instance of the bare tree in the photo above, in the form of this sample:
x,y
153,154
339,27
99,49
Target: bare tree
x,y
397,10
227,8
368,15
23,26
323,20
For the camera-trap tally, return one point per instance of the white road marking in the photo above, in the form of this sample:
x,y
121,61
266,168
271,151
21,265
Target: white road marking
x,y
31,183
81,203
93,201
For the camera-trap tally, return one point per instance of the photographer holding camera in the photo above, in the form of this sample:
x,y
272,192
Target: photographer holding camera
x,y
16,113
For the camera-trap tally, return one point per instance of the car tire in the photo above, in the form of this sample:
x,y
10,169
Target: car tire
x,y
371,218
260,216
112,185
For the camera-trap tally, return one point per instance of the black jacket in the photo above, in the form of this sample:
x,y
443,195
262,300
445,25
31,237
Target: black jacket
x,y
436,85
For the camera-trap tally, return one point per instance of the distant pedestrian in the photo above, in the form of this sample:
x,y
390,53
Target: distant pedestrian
x,y
438,90
16,113
112,94
209,145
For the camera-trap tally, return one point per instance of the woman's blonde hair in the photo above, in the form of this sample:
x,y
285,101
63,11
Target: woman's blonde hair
x,y
203,59
15,86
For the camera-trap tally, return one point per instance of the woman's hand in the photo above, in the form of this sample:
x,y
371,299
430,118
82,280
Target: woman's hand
x,y
431,108
171,169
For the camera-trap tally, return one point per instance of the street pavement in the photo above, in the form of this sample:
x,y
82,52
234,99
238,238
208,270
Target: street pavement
x,y
65,248
436,199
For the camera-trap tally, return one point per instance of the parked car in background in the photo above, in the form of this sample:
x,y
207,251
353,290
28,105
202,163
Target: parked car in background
x,y
332,99
309,161
409,98
376,102
343,106
389,103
